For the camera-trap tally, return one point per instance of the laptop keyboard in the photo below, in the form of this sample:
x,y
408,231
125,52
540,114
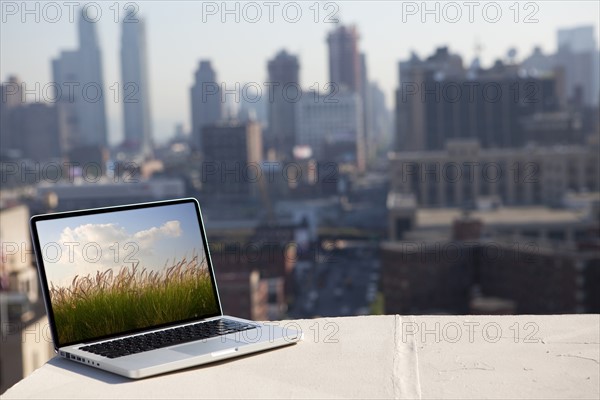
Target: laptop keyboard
x,y
165,338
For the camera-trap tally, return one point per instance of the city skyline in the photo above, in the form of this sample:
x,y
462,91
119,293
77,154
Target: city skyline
x,y
174,75
432,157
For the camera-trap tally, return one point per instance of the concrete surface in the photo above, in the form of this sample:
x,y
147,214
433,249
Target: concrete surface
x,y
374,357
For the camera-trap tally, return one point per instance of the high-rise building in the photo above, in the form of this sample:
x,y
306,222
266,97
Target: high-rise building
x,y
578,39
231,151
36,126
438,100
135,89
344,58
81,92
378,134
27,130
253,104
538,63
347,75
11,97
283,76
365,95
332,128
578,55
206,101
411,118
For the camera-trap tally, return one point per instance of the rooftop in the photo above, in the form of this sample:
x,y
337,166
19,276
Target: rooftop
x,y
529,152
443,217
392,356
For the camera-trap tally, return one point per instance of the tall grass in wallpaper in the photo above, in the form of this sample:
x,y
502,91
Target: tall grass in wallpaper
x,y
107,302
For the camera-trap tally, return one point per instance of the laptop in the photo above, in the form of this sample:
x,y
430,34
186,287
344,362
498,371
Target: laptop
x,y
132,290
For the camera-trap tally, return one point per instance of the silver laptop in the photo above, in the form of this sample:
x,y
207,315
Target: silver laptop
x,y
132,290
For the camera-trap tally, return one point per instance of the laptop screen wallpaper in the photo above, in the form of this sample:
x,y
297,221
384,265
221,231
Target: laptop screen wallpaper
x,y
125,270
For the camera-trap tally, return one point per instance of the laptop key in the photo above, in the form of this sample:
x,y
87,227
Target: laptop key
x,y
166,338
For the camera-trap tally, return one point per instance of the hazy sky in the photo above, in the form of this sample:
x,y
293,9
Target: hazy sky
x,y
179,34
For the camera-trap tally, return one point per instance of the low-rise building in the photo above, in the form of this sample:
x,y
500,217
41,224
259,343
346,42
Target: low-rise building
x,y
533,260
25,339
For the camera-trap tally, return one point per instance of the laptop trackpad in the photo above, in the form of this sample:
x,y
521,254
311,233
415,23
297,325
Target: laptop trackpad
x,y
216,348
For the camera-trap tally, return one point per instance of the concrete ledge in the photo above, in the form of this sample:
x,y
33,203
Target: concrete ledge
x,y
373,357
534,357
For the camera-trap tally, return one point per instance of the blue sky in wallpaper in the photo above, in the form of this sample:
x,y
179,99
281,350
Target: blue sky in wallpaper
x,y
155,237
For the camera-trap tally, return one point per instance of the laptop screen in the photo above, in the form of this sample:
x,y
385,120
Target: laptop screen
x,y
122,270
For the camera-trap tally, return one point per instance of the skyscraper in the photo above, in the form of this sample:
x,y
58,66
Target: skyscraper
x,y
332,130
344,58
80,92
283,76
348,76
135,88
206,101
378,134
367,111
578,55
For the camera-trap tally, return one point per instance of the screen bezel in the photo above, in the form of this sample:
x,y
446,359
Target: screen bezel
x,y
68,214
